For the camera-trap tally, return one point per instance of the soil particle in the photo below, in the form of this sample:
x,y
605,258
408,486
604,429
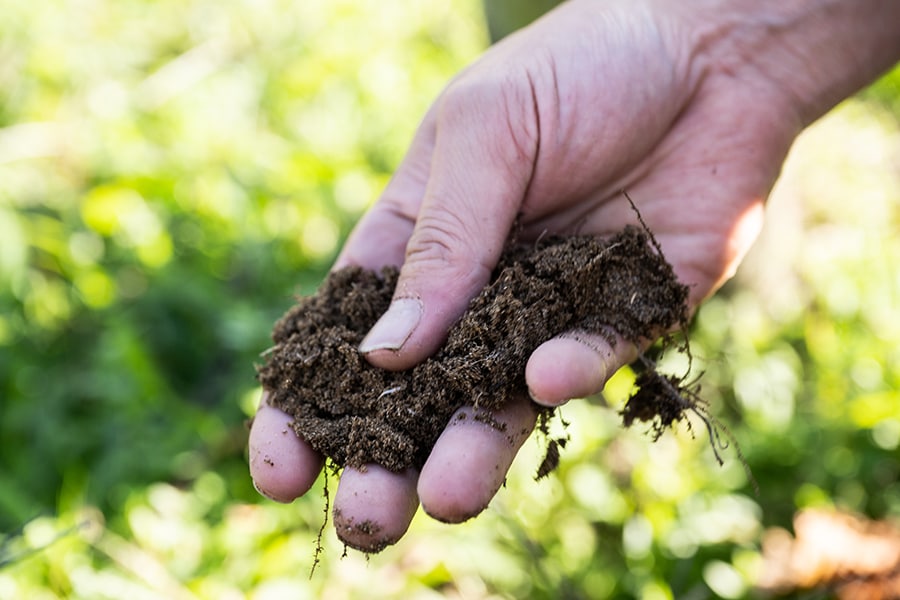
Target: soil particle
x,y
354,413
367,528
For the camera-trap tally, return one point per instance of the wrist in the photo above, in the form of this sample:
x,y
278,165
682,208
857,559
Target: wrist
x,y
807,55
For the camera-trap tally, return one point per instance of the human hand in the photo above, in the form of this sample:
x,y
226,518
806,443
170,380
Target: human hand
x,y
547,128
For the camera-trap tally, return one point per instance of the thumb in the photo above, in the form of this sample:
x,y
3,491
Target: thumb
x,y
485,144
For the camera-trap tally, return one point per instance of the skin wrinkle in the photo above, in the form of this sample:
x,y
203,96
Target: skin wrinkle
x,y
772,28
556,105
793,48
398,210
538,133
448,251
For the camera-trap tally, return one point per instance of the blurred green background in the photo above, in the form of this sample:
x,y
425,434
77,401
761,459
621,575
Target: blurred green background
x,y
173,172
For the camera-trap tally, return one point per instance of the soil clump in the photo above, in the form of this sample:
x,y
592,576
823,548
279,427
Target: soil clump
x,y
356,414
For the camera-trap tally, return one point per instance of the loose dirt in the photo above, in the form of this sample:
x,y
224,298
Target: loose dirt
x,y
356,414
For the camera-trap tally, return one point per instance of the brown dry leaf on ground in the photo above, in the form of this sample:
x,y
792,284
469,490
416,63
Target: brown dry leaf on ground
x,y
857,558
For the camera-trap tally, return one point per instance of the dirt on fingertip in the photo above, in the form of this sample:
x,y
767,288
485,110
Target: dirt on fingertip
x,y
356,414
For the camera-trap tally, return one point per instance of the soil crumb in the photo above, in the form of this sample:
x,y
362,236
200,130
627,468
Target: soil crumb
x,y
356,414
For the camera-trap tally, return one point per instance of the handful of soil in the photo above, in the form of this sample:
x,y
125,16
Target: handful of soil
x,y
355,414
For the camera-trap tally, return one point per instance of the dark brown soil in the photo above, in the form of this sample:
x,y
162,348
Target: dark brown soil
x,y
356,414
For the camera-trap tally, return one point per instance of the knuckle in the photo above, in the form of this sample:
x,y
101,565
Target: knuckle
x,y
441,236
445,243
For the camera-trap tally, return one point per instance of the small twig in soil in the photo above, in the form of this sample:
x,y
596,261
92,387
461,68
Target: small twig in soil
x,y
319,549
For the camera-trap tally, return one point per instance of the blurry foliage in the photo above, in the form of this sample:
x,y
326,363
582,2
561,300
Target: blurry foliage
x,y
886,93
506,16
172,172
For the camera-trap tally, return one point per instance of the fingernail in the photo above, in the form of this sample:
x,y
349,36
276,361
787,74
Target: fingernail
x,y
265,493
547,403
394,327
534,397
